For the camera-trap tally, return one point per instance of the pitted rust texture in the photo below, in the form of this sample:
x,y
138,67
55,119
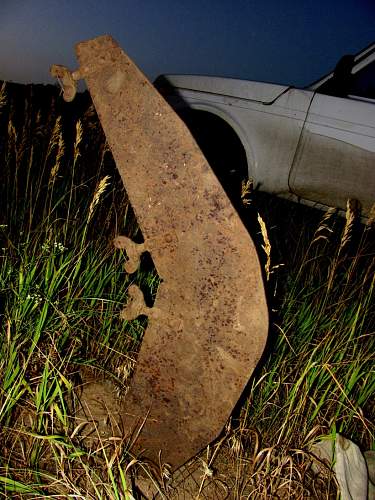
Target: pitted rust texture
x,y
208,326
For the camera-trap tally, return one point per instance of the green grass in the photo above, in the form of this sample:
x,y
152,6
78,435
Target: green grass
x,y
62,288
320,369
63,285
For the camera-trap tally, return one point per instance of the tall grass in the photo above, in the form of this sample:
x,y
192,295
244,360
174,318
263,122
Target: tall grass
x,y
62,287
320,366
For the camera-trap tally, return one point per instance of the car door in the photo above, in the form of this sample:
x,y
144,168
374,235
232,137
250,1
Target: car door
x,y
335,158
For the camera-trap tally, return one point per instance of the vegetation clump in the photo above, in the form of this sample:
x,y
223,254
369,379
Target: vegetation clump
x,y
62,287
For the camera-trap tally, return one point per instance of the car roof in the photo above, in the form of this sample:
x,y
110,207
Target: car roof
x,y
362,59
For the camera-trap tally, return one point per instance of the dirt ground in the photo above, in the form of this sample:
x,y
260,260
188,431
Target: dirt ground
x,y
225,477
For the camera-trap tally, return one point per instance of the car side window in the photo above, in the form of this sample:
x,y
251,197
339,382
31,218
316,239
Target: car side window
x,y
364,82
341,83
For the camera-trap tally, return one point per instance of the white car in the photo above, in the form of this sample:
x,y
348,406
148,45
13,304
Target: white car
x,y
315,145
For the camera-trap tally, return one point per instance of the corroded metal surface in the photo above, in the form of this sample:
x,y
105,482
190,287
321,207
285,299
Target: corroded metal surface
x,y
67,80
208,326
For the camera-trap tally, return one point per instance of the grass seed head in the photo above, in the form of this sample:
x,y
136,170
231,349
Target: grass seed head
x,y
3,96
350,216
266,246
371,218
78,140
60,153
12,134
97,195
324,230
247,188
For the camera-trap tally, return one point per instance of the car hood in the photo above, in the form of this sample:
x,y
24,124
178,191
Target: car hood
x,y
230,87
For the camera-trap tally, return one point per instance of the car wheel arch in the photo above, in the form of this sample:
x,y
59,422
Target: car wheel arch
x,y
227,147
228,126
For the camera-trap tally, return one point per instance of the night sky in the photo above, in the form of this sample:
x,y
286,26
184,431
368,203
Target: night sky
x,y
281,41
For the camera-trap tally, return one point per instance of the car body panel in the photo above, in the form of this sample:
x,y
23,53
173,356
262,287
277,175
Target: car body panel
x,y
268,161
230,87
299,143
336,155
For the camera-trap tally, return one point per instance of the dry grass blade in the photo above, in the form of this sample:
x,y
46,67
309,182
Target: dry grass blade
x,y
355,410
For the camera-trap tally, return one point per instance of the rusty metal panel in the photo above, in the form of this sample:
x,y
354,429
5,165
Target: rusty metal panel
x,y
208,326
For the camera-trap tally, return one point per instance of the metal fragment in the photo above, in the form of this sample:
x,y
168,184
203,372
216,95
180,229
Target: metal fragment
x,y
208,326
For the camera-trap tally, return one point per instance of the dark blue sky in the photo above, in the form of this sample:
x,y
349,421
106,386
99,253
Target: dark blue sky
x,y
282,41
